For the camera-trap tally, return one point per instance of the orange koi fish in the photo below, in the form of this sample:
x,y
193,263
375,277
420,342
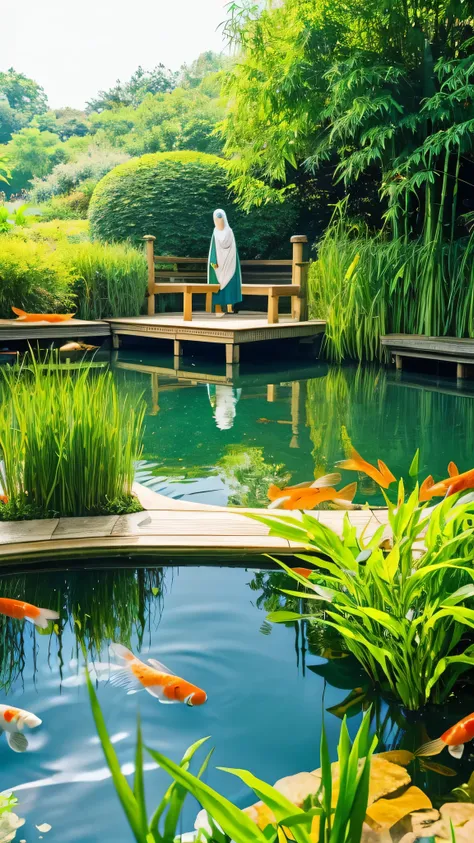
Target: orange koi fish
x,y
382,476
157,680
454,483
22,611
41,317
3,498
310,494
304,572
454,738
12,722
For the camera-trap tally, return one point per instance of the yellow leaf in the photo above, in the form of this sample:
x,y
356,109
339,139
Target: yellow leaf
x,y
387,812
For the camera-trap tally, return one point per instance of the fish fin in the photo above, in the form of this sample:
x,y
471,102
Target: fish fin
x,y
453,470
44,617
386,473
117,675
278,503
17,741
161,667
305,485
326,480
158,692
425,487
121,652
20,313
456,751
431,748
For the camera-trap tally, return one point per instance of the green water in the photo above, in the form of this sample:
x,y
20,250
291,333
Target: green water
x,y
224,444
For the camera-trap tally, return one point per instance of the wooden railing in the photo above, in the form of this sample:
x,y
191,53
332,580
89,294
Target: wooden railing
x,y
271,278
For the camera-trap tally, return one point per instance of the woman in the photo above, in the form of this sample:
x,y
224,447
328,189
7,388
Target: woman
x,y
223,266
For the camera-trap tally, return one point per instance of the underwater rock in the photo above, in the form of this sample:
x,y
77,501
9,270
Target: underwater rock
x,y
385,778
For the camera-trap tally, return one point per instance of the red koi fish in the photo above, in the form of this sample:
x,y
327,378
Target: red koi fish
x,y
22,611
3,499
310,494
454,738
382,476
156,679
41,317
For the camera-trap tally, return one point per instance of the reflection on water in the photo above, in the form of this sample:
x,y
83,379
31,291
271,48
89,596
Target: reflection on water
x,y
222,439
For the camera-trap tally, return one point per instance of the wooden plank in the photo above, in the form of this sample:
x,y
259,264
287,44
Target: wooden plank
x,y
173,259
273,289
12,532
73,329
186,286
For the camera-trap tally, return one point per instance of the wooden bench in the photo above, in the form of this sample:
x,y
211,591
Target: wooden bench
x,y
272,279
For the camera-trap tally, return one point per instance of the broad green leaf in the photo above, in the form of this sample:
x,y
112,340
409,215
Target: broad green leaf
x,y
413,471
282,616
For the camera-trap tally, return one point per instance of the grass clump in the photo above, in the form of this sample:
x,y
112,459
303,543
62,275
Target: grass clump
x,y
67,445
111,279
34,277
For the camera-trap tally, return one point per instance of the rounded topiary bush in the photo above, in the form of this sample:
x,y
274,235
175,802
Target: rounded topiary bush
x,y
173,195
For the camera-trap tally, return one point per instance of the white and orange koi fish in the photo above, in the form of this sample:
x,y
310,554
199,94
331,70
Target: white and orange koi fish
x,y
22,611
12,722
155,678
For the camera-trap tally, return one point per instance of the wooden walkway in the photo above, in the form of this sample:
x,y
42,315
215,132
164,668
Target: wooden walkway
x,y
73,329
165,531
229,330
451,349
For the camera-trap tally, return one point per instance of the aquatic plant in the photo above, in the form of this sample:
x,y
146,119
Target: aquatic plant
x,y
9,821
335,817
67,444
111,279
400,608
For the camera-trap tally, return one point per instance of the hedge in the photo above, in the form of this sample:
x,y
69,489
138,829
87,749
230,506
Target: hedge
x,y
173,195
33,277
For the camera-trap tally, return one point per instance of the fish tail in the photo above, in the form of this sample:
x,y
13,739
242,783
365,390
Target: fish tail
x,y
20,313
453,470
431,748
279,503
386,473
354,463
121,652
43,618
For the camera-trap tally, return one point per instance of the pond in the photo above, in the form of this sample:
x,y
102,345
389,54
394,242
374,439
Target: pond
x,y
220,443
266,691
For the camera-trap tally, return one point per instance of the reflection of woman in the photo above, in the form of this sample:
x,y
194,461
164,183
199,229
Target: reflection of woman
x,y
223,266
223,400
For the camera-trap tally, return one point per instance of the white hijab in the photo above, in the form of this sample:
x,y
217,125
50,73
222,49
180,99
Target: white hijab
x,y
226,250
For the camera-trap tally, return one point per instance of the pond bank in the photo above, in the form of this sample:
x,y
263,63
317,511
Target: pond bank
x,y
166,528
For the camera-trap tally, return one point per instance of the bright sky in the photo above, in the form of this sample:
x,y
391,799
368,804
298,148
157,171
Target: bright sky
x,y
75,48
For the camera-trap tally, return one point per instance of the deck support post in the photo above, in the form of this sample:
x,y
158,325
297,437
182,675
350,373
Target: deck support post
x,y
271,392
115,341
150,259
232,353
177,350
461,371
398,362
299,276
295,413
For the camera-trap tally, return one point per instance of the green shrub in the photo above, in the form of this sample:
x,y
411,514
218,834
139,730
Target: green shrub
x,y
74,206
67,444
56,231
173,195
33,277
111,279
90,165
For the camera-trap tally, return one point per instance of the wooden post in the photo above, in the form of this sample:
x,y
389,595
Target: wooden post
x,y
299,273
232,353
150,259
398,362
461,371
295,413
115,341
188,306
272,308
155,408
177,348
271,392
208,302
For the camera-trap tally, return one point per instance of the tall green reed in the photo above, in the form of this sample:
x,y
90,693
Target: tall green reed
x,y
368,285
111,279
67,443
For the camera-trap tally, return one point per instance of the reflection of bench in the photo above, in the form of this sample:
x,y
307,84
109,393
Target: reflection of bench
x,y
272,279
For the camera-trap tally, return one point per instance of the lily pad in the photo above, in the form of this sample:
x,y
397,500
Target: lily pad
x,y
346,674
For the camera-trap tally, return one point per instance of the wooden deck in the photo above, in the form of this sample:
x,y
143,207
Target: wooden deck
x,y
447,349
165,531
229,330
73,329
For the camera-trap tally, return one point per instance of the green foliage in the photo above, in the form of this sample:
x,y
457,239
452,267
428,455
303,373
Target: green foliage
x,y
89,166
401,611
64,122
142,82
74,206
111,279
33,277
368,286
173,195
341,823
32,153
67,444
20,100
56,231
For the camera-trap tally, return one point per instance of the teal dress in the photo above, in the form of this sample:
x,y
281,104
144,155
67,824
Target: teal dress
x,y
232,292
